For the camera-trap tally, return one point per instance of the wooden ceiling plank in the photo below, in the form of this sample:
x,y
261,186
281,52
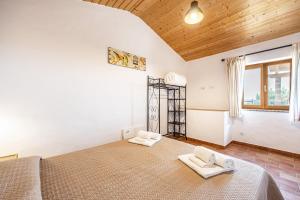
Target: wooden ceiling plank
x,y
235,42
110,3
228,21
221,24
137,4
202,54
241,33
282,22
119,3
116,3
132,5
159,12
193,29
211,16
145,5
228,24
125,4
232,24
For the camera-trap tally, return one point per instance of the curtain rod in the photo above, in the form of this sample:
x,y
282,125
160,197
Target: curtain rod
x,y
248,54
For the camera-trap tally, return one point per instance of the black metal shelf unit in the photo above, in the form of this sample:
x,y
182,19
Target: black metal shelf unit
x,y
176,106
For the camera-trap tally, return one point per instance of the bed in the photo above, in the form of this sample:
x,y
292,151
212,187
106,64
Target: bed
x,y
121,170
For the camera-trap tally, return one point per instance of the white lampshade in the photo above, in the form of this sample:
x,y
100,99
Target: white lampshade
x,y
194,14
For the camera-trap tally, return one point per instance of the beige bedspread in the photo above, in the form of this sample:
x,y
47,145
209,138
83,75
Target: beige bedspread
x,y
20,179
122,170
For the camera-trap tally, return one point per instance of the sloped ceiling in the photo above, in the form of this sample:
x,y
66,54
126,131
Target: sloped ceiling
x,y
228,24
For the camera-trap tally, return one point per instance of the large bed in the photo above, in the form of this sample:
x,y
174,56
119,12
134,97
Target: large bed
x,y
122,170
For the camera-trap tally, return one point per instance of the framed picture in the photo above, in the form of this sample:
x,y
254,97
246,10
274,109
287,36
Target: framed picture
x,y
124,59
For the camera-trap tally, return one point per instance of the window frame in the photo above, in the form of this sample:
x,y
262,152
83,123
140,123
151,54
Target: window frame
x,y
264,84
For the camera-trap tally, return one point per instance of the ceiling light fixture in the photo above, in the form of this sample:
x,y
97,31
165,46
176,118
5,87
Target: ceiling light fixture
x,y
194,15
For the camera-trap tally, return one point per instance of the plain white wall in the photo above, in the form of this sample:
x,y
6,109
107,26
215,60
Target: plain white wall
x,y
209,126
207,89
270,129
57,91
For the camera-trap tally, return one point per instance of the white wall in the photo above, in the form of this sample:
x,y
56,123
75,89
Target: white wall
x,y
209,126
57,92
207,88
270,129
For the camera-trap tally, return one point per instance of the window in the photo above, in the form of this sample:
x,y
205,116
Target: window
x,y
267,86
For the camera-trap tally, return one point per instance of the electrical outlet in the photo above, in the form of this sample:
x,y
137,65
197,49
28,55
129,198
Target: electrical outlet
x,y
242,134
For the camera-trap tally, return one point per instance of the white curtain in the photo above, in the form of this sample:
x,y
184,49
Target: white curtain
x,y
235,75
295,85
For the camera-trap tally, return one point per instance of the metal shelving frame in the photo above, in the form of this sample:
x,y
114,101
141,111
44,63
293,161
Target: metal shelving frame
x,y
176,104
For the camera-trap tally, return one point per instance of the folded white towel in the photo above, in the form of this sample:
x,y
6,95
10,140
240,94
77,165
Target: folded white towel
x,y
222,160
207,156
155,136
148,135
199,162
172,78
146,142
138,139
144,134
225,161
205,172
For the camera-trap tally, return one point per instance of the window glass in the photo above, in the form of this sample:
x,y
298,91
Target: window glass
x,y
278,84
252,86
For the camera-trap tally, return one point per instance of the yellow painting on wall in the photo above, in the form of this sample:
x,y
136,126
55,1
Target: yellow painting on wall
x,y
124,59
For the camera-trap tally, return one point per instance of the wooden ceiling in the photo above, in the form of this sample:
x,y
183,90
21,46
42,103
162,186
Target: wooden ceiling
x,y
228,24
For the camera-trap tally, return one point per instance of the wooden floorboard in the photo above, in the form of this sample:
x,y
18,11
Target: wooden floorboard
x,y
284,169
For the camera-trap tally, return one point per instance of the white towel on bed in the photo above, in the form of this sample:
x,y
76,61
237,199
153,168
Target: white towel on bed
x,y
222,160
199,162
146,142
172,78
205,155
205,172
155,136
144,134
148,135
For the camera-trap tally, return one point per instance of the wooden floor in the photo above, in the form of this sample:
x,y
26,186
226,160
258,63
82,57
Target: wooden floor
x,y
284,169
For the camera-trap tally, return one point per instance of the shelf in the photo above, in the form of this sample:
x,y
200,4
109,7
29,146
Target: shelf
x,y
177,123
175,135
166,86
177,99
174,93
175,132
160,83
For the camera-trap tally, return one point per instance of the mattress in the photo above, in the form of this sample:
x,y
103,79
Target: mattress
x,y
122,170
20,179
